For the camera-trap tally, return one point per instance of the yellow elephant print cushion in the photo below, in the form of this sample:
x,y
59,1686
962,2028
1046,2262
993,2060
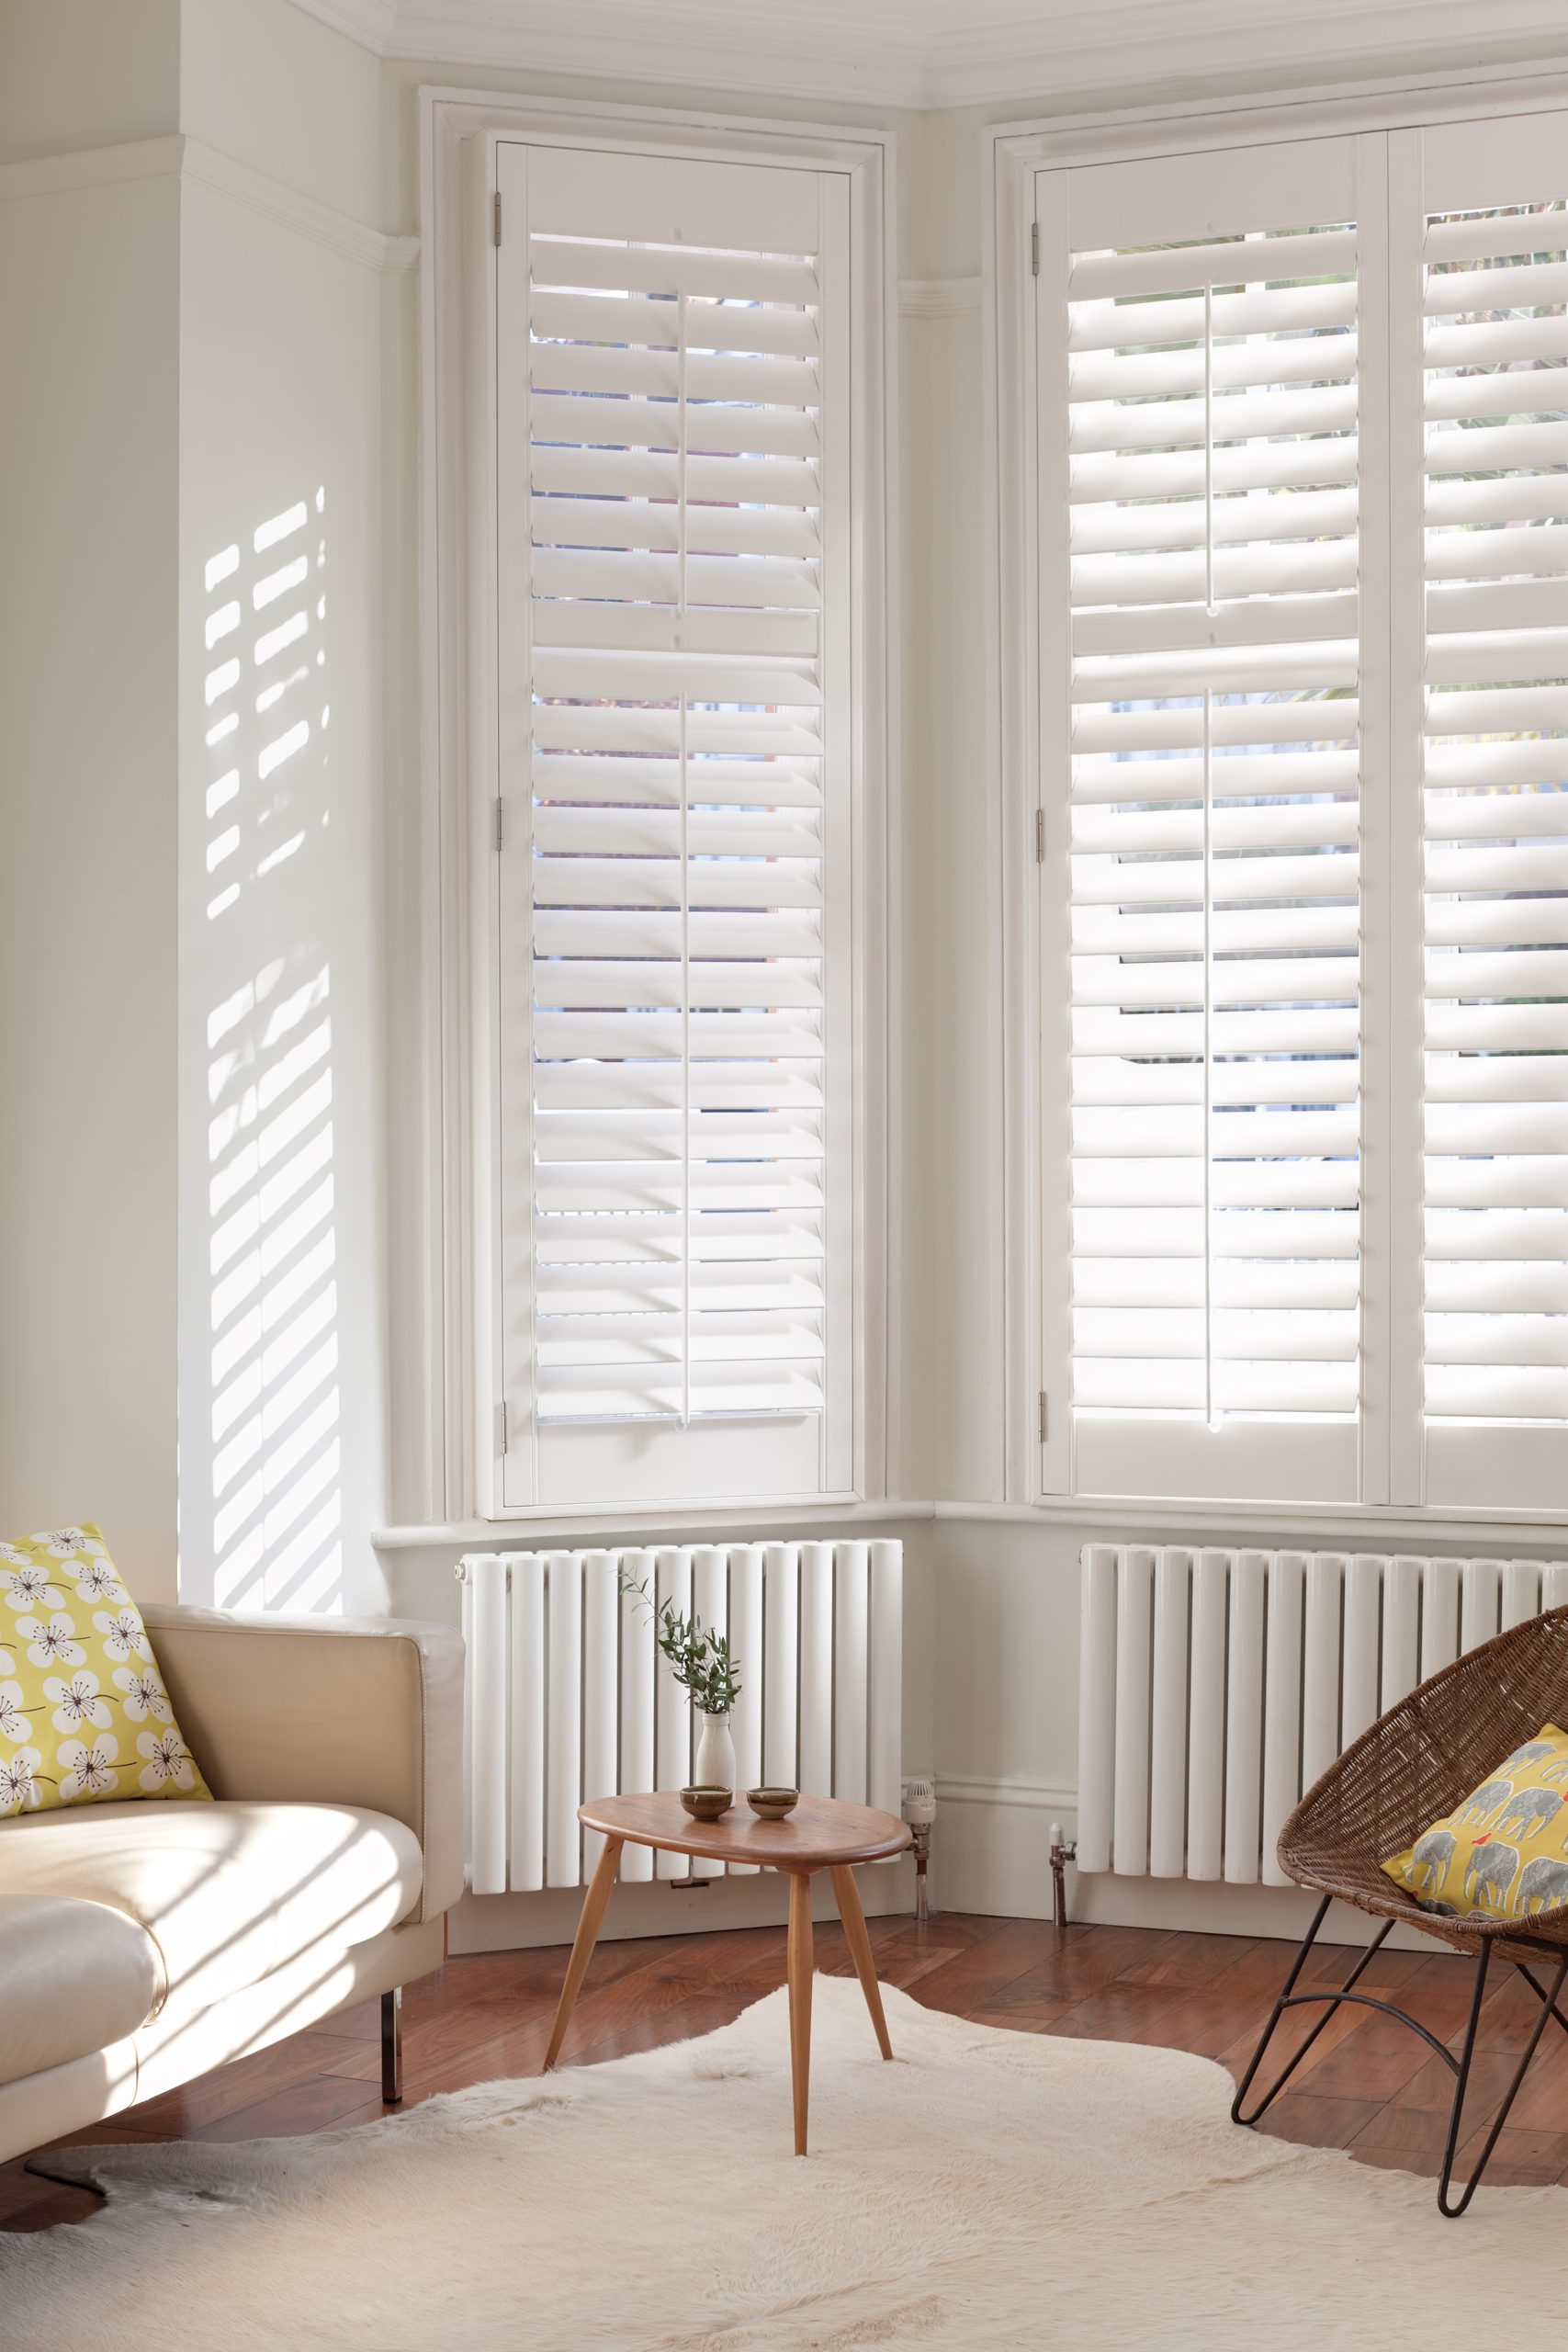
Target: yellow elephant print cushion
x,y
83,1713
1503,1852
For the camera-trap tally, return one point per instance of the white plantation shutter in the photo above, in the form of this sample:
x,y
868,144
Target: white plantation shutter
x,y
1495,285
1302,526
676,923
1200,755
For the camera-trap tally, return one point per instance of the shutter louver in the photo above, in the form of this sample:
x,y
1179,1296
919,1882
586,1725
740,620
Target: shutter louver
x,y
1210,413
682,1060
1495,796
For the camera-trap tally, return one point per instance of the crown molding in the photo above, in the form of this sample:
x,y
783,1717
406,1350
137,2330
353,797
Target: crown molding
x,y
909,53
371,23
706,44
1127,46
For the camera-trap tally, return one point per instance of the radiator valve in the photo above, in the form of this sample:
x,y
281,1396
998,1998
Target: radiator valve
x,y
920,1812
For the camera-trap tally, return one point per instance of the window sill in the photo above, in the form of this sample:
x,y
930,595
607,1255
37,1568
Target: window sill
x,y
1366,1526
526,1532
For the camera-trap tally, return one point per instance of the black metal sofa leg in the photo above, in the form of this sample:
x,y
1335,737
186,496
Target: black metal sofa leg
x,y
392,2047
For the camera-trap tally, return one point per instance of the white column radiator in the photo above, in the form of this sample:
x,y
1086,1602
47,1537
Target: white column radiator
x,y
569,1698
1216,1686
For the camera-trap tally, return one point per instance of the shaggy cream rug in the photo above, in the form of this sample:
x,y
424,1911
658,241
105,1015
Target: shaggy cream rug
x,y
989,2189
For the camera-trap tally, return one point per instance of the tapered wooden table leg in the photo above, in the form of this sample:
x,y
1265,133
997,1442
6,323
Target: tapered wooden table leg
x,y
847,1895
587,1936
819,1833
801,1962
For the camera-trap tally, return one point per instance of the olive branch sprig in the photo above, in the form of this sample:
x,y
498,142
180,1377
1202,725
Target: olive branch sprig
x,y
698,1655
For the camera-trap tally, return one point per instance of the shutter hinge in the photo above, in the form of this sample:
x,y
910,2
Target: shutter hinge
x,y
496,216
1040,837
500,819
1044,1417
1033,245
501,1416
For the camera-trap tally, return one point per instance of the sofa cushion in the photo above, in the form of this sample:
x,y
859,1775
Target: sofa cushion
x,y
73,1977
85,1718
227,1891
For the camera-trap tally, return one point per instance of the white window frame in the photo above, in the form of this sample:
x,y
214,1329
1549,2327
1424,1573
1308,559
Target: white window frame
x,y
1037,1371
460,131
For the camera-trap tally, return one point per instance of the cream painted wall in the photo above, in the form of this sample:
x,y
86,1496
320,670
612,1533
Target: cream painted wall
x,y
190,934
281,735
89,294
79,73
275,88
281,1096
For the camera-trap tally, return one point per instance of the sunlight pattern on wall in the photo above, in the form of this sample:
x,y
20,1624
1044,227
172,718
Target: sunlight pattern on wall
x,y
275,1528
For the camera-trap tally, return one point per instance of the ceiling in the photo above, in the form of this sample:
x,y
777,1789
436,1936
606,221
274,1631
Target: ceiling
x,y
948,52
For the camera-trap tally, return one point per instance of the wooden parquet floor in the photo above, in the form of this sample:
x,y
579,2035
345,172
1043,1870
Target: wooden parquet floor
x,y
1368,2084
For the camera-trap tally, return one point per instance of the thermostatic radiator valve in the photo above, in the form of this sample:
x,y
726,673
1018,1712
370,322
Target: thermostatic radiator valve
x,y
920,1812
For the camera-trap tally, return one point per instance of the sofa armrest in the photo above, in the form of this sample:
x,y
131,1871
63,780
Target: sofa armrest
x,y
327,1710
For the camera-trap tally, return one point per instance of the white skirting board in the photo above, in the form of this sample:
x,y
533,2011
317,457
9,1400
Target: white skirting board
x,y
991,1854
524,1922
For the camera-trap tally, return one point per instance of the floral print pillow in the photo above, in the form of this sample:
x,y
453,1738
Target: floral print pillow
x,y
83,1713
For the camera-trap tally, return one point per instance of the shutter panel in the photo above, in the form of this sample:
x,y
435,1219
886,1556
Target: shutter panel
x,y
1201,678
675,1047
1496,377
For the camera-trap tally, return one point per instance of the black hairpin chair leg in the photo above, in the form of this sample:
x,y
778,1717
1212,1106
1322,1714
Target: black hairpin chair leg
x,y
1451,2211
1290,1998
1332,1997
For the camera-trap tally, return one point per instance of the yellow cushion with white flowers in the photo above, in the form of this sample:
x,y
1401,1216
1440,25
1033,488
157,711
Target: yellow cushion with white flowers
x,y
83,1713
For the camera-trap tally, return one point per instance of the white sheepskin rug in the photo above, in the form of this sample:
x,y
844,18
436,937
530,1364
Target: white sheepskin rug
x,y
987,2189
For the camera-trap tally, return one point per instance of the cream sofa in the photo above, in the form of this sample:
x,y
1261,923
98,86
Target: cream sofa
x,y
142,1944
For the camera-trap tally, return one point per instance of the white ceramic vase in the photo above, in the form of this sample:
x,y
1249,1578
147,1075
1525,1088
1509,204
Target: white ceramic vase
x,y
715,1767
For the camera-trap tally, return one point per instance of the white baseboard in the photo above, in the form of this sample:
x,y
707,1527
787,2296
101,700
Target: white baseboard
x,y
523,1922
990,1848
991,1854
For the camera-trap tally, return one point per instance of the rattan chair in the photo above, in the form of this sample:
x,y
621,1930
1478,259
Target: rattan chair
x,y
1415,1765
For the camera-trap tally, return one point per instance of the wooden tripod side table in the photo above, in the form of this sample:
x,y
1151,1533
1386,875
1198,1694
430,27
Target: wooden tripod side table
x,y
820,1834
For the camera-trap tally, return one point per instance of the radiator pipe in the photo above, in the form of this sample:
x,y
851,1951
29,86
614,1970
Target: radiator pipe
x,y
920,1846
1063,1851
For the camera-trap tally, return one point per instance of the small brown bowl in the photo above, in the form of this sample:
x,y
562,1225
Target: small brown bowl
x,y
706,1804
772,1804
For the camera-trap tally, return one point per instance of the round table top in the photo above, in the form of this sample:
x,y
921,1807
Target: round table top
x,y
820,1833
